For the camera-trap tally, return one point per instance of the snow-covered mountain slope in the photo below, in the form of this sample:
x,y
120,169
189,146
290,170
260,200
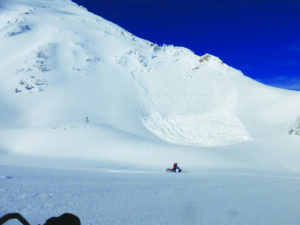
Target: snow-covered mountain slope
x,y
70,80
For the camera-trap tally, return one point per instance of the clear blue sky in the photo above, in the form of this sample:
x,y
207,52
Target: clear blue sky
x,y
261,38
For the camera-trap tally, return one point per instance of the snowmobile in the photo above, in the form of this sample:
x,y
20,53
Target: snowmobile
x,y
178,170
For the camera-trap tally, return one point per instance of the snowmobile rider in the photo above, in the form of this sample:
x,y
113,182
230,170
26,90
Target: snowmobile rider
x,y
175,166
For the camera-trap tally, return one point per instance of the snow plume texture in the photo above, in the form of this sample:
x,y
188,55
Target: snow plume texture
x,y
75,85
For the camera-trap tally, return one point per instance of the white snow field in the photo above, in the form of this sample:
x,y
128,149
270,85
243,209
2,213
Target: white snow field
x,y
122,197
91,115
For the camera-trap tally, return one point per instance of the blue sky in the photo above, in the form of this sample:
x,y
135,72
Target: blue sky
x,y
260,38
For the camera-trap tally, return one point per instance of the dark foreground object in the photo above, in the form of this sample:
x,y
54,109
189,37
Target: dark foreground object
x,y
64,219
11,216
174,171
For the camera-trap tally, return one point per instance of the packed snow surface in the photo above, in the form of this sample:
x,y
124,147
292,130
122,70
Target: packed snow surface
x,y
123,197
91,115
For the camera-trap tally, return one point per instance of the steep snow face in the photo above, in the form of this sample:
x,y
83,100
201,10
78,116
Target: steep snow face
x,y
187,99
62,65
